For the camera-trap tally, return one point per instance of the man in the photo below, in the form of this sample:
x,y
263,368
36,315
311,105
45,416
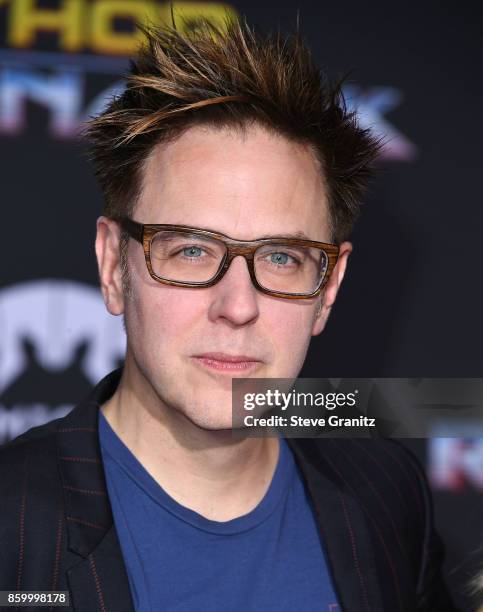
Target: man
x,y
232,174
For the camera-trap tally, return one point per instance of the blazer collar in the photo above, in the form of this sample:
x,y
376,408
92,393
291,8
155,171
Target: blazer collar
x,y
88,511
92,535
100,580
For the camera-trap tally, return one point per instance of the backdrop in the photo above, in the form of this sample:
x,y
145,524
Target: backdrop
x,y
411,302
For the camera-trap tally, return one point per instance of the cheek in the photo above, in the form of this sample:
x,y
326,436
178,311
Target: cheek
x,y
290,327
159,317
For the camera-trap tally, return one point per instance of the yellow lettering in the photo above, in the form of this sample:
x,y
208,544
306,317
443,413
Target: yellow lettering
x,y
26,19
105,39
186,14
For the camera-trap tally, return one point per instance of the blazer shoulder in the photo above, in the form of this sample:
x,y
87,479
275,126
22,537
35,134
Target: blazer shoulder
x,y
31,501
382,472
381,458
30,456
30,439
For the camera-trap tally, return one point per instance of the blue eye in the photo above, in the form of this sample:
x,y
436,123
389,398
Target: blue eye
x,y
192,251
279,258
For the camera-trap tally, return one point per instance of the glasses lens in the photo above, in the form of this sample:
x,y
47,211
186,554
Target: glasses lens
x,y
185,257
290,269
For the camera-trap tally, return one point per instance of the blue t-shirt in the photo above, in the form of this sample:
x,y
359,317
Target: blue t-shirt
x,y
178,560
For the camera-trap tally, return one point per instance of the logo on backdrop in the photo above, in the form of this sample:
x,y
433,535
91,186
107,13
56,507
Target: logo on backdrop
x,y
58,340
89,42
456,464
85,37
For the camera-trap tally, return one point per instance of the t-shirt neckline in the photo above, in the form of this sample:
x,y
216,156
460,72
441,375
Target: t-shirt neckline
x,y
112,446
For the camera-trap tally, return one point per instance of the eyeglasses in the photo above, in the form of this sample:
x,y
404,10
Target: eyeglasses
x,y
184,256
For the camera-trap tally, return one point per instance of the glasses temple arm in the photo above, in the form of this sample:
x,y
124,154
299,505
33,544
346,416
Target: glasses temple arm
x,y
133,228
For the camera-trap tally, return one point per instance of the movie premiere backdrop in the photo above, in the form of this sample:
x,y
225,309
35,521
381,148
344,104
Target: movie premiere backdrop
x,y
411,303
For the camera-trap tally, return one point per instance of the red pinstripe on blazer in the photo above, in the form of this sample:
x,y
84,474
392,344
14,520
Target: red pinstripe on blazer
x,y
371,499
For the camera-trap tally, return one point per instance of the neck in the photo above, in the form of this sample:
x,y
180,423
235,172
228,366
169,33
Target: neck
x,y
208,471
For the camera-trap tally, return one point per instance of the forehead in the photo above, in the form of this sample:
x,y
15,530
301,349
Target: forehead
x,y
244,184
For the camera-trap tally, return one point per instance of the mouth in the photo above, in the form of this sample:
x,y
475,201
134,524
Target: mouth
x,y
224,362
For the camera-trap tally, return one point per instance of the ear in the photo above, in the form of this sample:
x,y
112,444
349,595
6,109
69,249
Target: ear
x,y
109,265
327,298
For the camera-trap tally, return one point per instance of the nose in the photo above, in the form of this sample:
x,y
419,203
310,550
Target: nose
x,y
234,296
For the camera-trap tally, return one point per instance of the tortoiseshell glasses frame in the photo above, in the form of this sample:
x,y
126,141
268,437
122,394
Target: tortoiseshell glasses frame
x,y
144,234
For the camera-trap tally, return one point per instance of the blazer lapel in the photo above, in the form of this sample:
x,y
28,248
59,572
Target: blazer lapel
x,y
343,531
99,581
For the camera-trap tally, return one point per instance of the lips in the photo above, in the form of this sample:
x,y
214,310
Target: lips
x,y
225,361
227,358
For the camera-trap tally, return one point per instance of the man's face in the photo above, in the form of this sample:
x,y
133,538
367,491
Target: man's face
x,y
245,186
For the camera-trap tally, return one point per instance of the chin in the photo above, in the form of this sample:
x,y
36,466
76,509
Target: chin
x,y
210,410
212,423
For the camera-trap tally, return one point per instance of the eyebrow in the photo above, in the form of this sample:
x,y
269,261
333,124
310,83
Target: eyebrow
x,y
299,234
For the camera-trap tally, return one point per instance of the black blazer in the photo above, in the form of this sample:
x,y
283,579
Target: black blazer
x,y
371,500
